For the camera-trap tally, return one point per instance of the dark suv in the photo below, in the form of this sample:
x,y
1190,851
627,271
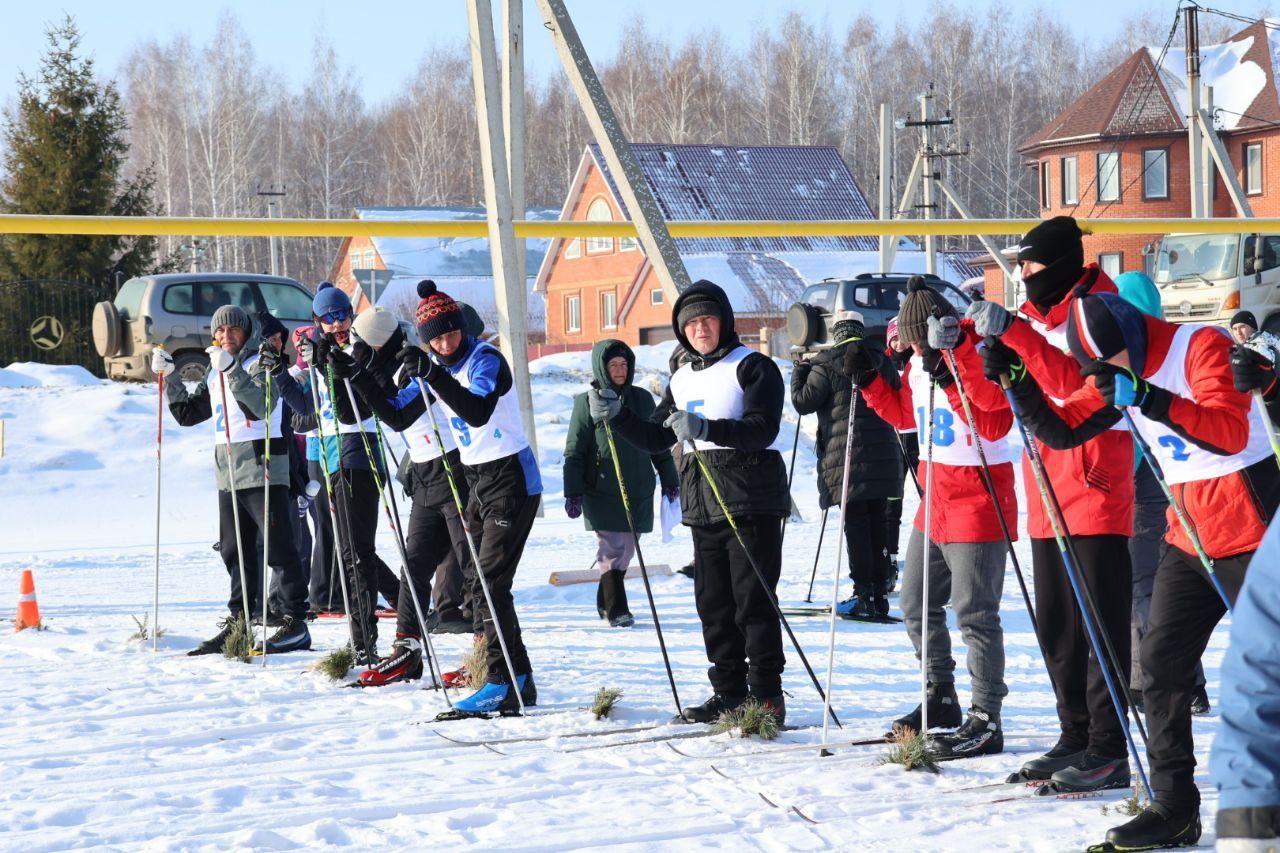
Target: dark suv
x,y
176,310
877,296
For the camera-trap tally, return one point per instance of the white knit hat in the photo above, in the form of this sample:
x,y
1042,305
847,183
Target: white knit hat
x,y
375,326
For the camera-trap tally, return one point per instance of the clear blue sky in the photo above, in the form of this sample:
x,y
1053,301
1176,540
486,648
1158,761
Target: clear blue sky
x,y
384,39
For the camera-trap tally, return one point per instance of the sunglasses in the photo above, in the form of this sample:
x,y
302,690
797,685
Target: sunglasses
x,y
335,316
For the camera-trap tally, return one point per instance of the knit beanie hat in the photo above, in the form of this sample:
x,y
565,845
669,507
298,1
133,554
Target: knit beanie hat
x,y
698,305
848,324
231,315
1052,241
1245,317
618,350
922,302
891,331
329,298
437,313
1102,325
268,325
375,326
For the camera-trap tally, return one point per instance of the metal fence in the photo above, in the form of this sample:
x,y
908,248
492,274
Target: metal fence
x,y
50,322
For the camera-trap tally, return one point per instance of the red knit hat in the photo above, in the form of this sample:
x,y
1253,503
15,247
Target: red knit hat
x,y
437,313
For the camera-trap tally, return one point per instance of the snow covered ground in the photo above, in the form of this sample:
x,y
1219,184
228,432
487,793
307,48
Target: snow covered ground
x,y
106,744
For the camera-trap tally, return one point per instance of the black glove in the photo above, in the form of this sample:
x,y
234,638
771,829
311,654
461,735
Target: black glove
x,y
417,364
344,366
999,360
936,366
271,359
1121,387
861,363
1253,371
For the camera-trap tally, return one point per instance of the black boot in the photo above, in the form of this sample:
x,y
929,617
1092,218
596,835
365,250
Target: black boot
x,y
1093,773
944,711
776,705
980,735
213,645
615,600
1062,756
880,599
601,608
710,710
1200,702
1158,826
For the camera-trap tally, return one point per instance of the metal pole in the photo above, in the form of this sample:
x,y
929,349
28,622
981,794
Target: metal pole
x,y
235,501
926,141
924,579
313,375
155,601
513,109
1194,148
791,474
888,244
265,590
822,531
835,580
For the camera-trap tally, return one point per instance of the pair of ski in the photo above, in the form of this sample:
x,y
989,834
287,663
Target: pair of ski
x,y
797,610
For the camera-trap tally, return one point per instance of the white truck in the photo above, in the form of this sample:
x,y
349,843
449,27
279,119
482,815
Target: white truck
x,y
1206,278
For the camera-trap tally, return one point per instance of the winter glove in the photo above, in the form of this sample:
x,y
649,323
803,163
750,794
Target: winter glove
x,y
220,360
990,319
313,352
687,426
936,366
1122,388
350,365
1251,370
161,361
604,404
861,363
944,332
999,360
418,364
270,359
573,505
672,494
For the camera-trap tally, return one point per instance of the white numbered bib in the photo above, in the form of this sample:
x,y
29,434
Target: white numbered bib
x,y
502,436
952,438
423,446
713,392
227,414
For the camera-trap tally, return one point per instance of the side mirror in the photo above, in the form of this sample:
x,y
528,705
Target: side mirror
x,y
1149,249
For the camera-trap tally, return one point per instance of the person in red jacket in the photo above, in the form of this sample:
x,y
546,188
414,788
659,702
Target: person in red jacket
x,y
966,546
1094,485
1176,383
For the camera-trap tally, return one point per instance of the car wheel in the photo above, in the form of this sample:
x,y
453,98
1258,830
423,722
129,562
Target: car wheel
x,y
106,329
191,366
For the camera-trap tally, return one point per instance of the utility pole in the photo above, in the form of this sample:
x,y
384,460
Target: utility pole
x,y
271,194
513,125
1195,149
888,243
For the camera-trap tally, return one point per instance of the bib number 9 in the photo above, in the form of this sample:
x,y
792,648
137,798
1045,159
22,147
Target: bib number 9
x,y
461,429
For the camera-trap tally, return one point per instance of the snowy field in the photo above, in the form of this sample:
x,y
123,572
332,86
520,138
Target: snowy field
x,y
105,744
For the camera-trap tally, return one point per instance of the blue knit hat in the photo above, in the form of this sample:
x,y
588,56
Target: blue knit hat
x,y
329,298
1103,324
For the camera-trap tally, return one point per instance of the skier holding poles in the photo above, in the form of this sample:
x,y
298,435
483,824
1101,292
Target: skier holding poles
x,y
728,399
476,389
236,405
966,544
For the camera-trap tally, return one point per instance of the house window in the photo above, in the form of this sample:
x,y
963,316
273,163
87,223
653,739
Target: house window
x,y
368,259
1112,263
1109,176
573,314
1253,168
1155,173
599,211
1046,185
628,244
609,309
573,249
1070,180
355,261
655,297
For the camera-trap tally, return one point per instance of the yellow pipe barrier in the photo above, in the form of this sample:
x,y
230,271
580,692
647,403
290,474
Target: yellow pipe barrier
x,y
187,226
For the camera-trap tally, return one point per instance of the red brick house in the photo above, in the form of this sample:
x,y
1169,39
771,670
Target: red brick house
x,y
1121,150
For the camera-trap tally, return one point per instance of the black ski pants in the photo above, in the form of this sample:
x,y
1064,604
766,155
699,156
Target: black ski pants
x,y
433,536
358,510
282,555
740,628
450,592
500,529
325,591
893,508
1185,608
1085,710
865,534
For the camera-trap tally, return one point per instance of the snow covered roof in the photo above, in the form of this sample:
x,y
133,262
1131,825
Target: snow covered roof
x,y
435,257
401,298
1138,98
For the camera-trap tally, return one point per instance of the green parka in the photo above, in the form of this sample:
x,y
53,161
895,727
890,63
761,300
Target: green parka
x,y
588,467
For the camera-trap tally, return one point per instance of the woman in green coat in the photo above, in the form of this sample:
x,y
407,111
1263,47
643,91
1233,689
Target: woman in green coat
x,y
591,484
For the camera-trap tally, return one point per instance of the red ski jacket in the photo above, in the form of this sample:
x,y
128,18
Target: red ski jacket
x,y
962,510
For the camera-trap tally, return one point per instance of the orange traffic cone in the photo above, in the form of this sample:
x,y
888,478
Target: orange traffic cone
x,y
28,610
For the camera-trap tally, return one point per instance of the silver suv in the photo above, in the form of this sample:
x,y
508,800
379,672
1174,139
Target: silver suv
x,y
176,310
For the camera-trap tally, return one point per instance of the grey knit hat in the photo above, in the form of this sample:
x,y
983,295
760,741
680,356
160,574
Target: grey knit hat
x,y
231,315
375,326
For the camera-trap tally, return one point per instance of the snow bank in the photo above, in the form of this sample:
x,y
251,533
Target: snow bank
x,y
23,374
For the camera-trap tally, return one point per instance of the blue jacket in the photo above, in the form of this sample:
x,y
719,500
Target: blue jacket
x,y
1245,763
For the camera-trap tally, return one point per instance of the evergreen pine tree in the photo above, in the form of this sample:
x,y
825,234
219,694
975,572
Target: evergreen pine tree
x,y
66,147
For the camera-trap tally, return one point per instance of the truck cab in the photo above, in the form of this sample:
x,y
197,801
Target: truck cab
x,y
1206,278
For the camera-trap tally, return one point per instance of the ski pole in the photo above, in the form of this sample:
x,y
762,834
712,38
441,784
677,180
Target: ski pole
x,y
906,463
924,560
265,590
155,603
1261,407
313,375
1083,598
235,499
644,572
768,591
1188,528
835,580
471,546
791,472
989,482
822,531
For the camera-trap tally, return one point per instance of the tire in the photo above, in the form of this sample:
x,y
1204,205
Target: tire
x,y
107,335
191,366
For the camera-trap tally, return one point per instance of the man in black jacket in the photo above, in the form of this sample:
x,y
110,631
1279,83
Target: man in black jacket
x,y
727,402
875,471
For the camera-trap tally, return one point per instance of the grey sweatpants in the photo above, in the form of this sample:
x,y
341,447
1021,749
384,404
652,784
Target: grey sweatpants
x,y
971,576
614,550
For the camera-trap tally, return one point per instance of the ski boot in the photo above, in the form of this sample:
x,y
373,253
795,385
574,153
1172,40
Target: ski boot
x,y
858,606
1155,827
403,664
980,735
291,636
1090,773
495,697
880,600
1062,756
1200,702
457,678
213,645
776,705
613,593
367,656
944,711
710,710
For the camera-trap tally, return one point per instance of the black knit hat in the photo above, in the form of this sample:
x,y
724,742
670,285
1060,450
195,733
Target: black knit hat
x,y
1245,317
922,302
1054,240
437,313
268,325
697,305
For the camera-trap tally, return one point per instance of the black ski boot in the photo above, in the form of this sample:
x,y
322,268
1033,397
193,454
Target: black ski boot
x,y
944,711
528,691
1091,773
213,645
601,608
1040,769
980,735
880,600
1200,702
776,705
614,591
291,636
1157,826
710,710
368,656
860,605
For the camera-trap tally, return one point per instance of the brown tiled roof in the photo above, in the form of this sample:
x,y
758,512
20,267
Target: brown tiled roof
x,y
1265,109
